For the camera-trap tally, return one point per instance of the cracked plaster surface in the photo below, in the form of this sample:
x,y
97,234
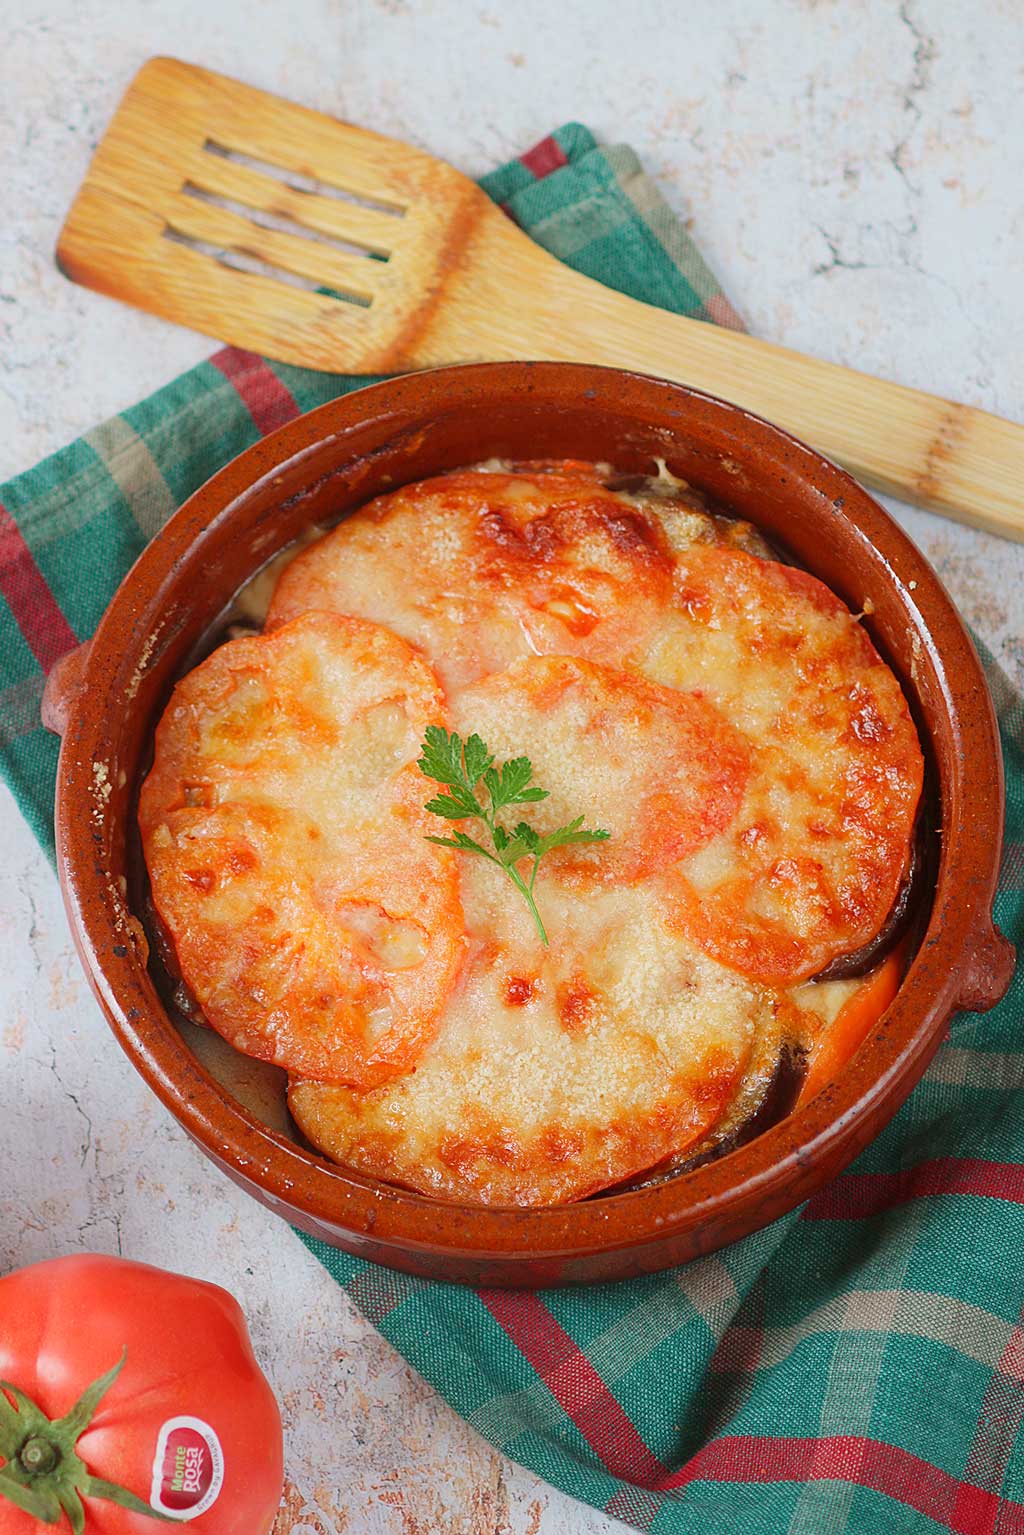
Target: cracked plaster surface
x,y
852,172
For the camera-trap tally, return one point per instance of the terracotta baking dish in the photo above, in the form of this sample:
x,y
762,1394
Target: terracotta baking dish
x,y
106,697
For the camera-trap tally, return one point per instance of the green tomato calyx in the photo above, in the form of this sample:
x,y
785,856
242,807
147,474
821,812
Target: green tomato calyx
x,y
40,1470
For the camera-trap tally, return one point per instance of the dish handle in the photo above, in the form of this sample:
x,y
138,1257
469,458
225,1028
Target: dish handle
x,y
63,686
988,969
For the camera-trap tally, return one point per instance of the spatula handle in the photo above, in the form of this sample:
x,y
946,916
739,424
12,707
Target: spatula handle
x,y
951,458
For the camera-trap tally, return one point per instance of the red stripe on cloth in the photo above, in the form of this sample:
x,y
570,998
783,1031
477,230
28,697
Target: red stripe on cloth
x,y
720,311
732,1368
883,1468
262,393
857,1195
739,1348
379,1291
543,158
575,1384
36,610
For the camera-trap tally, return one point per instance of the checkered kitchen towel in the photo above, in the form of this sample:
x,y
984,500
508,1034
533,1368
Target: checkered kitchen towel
x,y
859,1365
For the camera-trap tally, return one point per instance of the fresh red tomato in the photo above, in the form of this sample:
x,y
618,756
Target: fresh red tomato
x,y
129,1396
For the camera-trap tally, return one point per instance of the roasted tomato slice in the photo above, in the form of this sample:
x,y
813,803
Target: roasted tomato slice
x,y
663,770
283,829
556,1072
477,569
814,858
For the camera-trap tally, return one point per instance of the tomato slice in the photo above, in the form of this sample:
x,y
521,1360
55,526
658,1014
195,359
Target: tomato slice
x,y
812,862
556,1072
283,829
839,1042
662,770
477,569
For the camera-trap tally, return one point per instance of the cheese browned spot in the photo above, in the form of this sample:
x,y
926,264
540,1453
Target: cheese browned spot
x,y
767,1089
478,569
284,832
630,1049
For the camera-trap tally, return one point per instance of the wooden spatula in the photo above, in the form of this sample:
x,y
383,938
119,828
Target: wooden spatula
x,y
231,211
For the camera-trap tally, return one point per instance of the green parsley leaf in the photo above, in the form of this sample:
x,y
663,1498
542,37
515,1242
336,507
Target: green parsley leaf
x,y
574,832
460,766
454,807
509,785
526,834
477,759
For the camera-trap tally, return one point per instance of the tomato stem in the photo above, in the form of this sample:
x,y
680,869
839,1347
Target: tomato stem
x,y
38,1455
40,1470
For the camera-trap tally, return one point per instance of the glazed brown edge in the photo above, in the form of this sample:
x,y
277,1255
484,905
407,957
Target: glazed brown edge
x,y
63,685
828,1126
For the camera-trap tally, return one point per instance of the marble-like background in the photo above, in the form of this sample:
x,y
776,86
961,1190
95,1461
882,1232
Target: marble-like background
x,y
852,169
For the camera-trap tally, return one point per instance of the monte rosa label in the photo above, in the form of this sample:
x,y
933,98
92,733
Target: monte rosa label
x,y
188,1468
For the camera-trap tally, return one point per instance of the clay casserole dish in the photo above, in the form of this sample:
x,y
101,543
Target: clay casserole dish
x,y
106,698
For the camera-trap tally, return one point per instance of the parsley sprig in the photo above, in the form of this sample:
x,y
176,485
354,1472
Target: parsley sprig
x,y
461,766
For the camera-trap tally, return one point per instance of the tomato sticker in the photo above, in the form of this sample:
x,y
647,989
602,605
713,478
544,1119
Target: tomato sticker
x,y
188,1469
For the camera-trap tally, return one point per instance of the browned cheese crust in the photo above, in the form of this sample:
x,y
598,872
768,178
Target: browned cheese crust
x,y
723,715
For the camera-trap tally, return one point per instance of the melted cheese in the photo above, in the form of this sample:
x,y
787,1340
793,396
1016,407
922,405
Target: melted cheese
x,y
664,771
722,715
558,1072
285,837
482,569
479,569
811,864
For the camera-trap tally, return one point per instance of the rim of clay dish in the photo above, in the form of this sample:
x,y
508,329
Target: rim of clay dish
x,y
953,967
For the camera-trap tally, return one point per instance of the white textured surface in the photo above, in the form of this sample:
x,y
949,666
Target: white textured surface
x,y
852,170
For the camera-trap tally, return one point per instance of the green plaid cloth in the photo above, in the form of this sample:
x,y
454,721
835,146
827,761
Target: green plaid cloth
x,y
859,1365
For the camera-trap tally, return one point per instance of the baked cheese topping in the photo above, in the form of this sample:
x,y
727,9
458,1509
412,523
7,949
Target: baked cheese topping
x,y
556,1072
812,862
284,828
477,570
722,715
662,770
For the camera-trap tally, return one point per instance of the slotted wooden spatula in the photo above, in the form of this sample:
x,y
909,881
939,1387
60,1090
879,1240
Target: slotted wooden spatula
x,y
231,211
